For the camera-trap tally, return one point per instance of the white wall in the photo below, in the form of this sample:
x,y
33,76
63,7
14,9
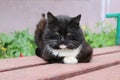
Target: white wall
x,y
21,14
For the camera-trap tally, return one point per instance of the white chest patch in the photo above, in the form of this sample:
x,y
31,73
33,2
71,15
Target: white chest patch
x,y
65,52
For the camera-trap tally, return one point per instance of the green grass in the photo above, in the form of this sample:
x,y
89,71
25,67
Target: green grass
x,y
21,43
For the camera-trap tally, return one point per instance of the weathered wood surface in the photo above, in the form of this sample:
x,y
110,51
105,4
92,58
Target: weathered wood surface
x,y
105,65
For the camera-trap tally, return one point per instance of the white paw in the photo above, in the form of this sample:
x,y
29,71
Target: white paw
x,y
70,60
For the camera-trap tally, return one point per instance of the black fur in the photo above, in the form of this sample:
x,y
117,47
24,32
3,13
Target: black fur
x,y
62,30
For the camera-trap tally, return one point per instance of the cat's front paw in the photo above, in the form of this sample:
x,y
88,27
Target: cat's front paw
x,y
70,60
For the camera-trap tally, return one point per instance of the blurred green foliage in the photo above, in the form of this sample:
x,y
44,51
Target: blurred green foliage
x,y
17,44
103,37
21,43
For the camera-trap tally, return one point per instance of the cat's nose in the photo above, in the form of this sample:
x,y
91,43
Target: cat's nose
x,y
62,46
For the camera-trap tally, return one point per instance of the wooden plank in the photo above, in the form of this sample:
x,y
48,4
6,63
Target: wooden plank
x,y
61,71
106,50
18,63
111,73
22,62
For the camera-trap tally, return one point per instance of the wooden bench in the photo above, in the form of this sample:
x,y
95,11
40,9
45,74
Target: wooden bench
x,y
105,65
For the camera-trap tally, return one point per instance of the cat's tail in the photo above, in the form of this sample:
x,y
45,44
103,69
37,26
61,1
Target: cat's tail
x,y
38,35
42,22
39,31
43,15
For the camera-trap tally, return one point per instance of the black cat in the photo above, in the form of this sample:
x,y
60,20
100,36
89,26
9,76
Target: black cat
x,y
62,40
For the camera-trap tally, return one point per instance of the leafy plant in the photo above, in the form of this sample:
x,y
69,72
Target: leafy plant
x,y
17,44
104,38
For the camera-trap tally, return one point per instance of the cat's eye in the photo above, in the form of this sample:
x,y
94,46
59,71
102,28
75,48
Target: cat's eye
x,y
68,33
57,33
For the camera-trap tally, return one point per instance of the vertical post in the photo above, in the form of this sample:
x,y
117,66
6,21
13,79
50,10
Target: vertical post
x,y
102,10
116,15
118,31
108,6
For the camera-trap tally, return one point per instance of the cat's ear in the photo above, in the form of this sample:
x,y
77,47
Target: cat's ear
x,y
76,19
51,17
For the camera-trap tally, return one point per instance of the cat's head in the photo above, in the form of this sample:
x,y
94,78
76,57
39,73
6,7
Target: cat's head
x,y
62,30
